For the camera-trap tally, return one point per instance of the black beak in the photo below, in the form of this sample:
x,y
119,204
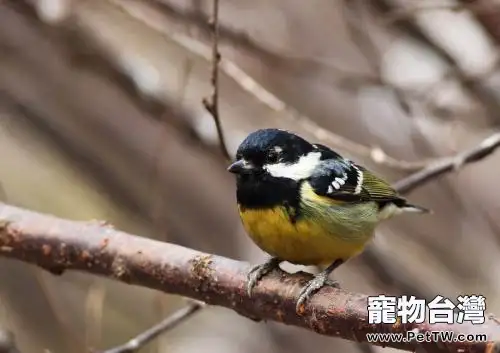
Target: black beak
x,y
240,167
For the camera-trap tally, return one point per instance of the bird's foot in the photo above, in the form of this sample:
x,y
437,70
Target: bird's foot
x,y
259,271
311,287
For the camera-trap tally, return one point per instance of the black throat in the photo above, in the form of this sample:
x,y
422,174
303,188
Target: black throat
x,y
264,191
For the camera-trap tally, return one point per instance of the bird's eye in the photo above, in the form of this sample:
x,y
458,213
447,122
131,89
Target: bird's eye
x,y
273,157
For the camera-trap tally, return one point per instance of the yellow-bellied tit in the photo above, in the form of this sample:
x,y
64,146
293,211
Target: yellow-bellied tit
x,y
305,204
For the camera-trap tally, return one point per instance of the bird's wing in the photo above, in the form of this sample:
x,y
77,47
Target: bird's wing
x,y
343,180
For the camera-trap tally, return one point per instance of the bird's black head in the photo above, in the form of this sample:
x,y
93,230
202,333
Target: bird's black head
x,y
276,153
270,165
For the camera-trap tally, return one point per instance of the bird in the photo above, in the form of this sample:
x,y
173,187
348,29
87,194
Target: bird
x,y
305,204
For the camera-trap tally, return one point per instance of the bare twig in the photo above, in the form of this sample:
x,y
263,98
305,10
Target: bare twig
x,y
212,104
58,245
280,59
448,164
254,88
493,318
373,256
163,326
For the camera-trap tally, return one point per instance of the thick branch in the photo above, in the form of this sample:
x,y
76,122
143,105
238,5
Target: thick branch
x,y
58,245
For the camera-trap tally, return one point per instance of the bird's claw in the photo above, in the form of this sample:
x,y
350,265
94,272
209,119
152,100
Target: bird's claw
x,y
259,271
311,287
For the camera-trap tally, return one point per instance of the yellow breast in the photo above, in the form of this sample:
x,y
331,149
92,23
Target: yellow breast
x,y
305,242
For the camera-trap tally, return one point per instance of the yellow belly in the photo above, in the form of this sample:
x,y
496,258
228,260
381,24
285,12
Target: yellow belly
x,y
304,242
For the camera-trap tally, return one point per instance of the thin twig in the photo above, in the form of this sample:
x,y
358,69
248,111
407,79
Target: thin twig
x,y
374,257
163,326
274,103
212,104
448,164
58,245
362,38
279,58
493,318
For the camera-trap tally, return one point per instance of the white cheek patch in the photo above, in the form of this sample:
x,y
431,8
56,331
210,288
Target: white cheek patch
x,y
301,169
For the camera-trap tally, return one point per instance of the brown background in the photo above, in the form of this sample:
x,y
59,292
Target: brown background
x,y
101,118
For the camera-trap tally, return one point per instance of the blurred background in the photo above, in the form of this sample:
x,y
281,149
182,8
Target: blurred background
x,y
101,118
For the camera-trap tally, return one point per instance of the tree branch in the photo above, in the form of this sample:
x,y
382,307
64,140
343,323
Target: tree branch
x,y
212,104
274,103
58,245
448,164
383,268
150,334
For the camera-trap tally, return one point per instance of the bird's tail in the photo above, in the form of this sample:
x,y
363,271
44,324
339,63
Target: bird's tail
x,y
394,209
414,208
